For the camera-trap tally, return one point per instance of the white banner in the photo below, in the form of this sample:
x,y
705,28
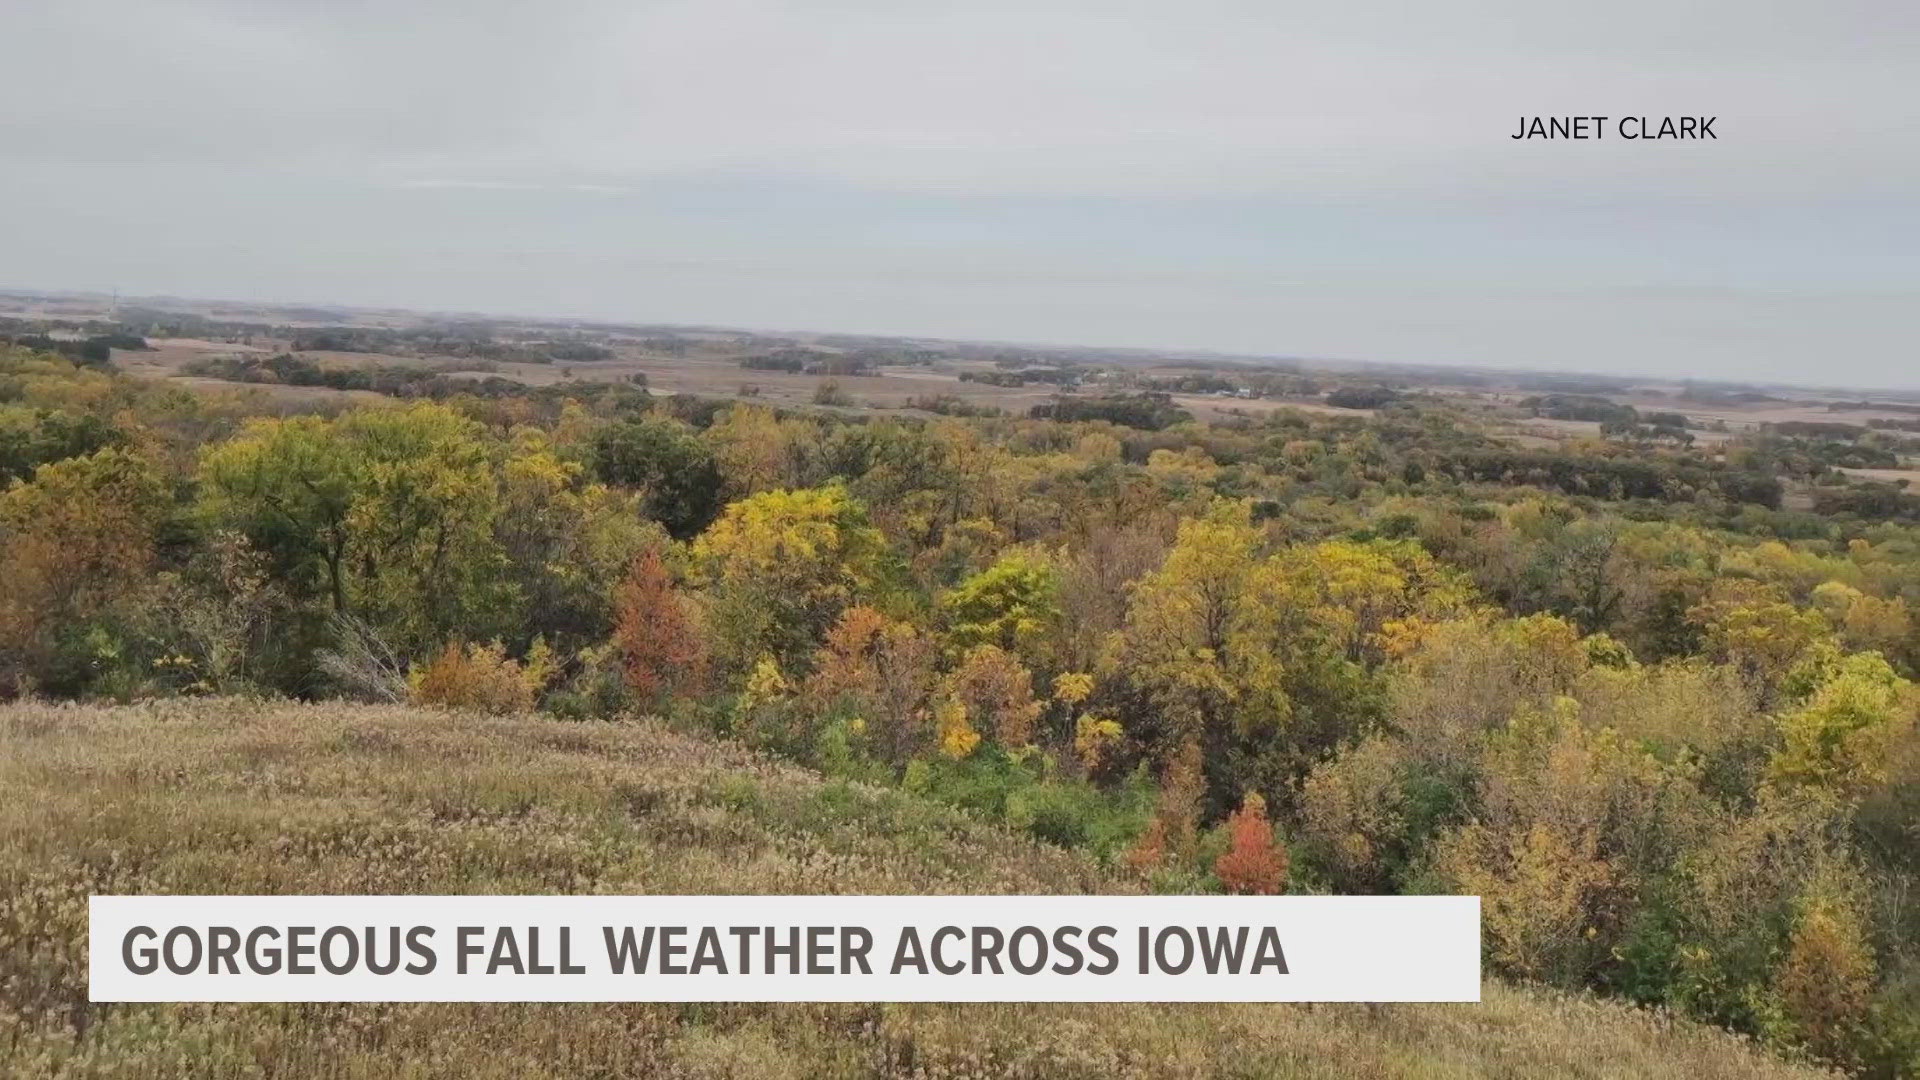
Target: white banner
x,y
785,948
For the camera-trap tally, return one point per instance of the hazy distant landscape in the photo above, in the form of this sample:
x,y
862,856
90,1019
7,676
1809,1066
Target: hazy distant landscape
x,y
320,353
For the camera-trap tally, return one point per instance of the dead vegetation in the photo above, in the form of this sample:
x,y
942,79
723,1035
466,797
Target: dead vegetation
x,y
238,796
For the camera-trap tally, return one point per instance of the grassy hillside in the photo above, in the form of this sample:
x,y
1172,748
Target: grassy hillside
x,y
228,796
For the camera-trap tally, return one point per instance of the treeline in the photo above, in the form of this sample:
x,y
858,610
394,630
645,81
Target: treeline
x,y
1641,477
1251,384
1665,728
1616,420
1362,397
399,380
95,350
1147,411
810,362
1021,376
1885,406
432,342
952,405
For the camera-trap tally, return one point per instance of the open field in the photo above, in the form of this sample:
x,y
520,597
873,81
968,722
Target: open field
x,y
706,362
719,374
234,796
1887,476
890,388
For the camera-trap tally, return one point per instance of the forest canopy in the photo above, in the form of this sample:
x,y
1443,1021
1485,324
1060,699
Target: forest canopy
x,y
1659,715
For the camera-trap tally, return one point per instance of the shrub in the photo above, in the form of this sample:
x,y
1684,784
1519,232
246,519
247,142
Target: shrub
x,y
480,677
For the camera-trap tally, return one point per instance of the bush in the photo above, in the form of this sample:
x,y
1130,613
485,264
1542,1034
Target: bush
x,y
480,677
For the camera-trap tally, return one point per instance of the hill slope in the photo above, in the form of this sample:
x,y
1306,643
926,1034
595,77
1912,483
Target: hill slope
x,y
226,796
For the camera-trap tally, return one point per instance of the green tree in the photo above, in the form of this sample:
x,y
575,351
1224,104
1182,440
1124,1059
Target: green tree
x,y
677,475
387,513
287,485
425,565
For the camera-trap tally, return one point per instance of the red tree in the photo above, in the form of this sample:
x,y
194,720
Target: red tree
x,y
1253,863
660,647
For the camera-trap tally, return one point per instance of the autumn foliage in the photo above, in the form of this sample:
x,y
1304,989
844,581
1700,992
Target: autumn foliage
x,y
1253,862
480,677
1663,721
660,645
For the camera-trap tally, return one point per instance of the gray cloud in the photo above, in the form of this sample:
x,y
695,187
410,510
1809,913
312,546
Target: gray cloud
x,y
281,145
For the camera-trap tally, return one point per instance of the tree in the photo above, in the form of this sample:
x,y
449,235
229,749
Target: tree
x,y
480,677
1012,604
758,451
956,733
1174,830
76,546
224,608
287,485
677,475
1354,817
1757,627
568,542
998,694
830,393
1368,600
883,670
1825,983
781,566
1840,739
1202,644
425,565
389,513
660,644
1573,826
31,437
1253,862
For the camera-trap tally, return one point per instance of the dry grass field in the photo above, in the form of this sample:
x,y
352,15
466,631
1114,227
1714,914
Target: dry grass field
x,y
717,375
235,796
1887,476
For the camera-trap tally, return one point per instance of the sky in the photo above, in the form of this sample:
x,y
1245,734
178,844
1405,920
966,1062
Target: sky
x,y
1309,180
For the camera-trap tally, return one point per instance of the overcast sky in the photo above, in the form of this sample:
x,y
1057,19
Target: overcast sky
x,y
1328,179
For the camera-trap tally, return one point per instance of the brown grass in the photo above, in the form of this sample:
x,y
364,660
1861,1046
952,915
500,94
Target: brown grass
x,y
229,796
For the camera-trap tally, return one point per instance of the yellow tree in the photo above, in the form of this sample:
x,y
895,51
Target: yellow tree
x,y
76,544
997,693
568,542
287,485
1757,627
1825,983
757,451
780,567
1202,643
1371,599
425,564
1013,604
389,512
1865,621
1840,739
